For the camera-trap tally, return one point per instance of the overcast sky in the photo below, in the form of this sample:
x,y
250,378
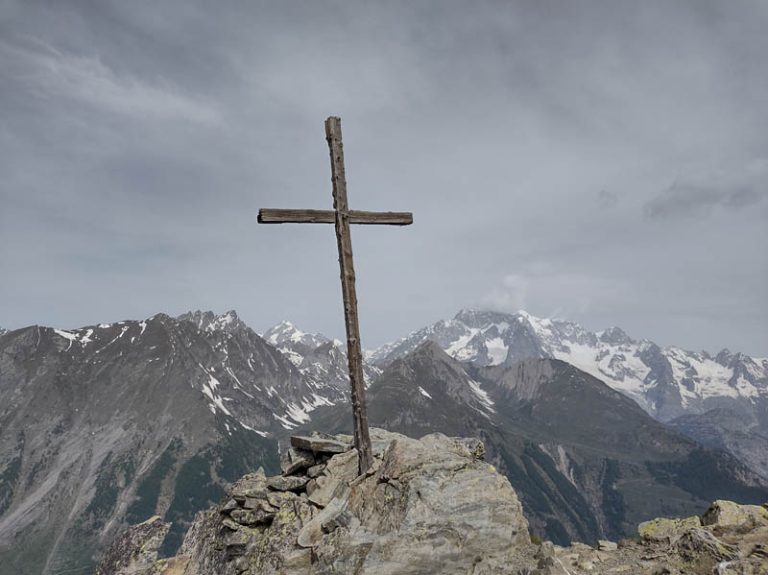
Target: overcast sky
x,y
604,162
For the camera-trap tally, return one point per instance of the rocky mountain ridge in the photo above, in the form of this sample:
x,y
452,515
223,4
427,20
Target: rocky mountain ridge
x,y
110,422
322,360
425,506
666,382
587,461
726,382
116,422
730,431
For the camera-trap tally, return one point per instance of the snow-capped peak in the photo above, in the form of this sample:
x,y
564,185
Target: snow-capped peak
x,y
666,382
287,334
208,321
321,360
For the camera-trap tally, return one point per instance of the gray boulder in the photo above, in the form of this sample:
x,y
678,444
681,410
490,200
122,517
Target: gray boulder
x,y
320,443
727,514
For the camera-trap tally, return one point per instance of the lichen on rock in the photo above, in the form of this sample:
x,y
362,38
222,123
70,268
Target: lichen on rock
x,y
732,515
667,530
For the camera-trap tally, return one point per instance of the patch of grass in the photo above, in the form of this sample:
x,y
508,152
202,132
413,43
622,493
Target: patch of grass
x,y
144,504
614,507
114,472
194,490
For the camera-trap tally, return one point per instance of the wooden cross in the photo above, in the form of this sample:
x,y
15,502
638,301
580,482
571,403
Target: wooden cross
x,y
342,216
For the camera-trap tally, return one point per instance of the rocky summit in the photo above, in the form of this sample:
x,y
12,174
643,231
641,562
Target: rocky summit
x,y
426,506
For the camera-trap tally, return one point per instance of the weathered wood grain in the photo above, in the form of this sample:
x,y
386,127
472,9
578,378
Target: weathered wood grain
x,y
288,216
347,268
341,216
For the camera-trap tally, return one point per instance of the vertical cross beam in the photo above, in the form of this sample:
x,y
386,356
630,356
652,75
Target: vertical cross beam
x,y
342,217
347,267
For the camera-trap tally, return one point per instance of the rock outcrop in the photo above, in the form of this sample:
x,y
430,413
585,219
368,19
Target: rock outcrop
x,y
136,550
728,539
426,506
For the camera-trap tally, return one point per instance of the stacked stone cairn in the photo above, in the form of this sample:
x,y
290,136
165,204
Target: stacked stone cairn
x,y
310,477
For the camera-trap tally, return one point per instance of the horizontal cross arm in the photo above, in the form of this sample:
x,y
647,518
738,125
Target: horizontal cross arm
x,y
281,216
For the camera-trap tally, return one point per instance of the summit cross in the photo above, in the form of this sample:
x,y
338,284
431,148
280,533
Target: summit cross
x,y
342,217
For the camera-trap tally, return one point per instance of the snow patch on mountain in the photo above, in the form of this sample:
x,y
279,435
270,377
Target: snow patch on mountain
x,y
67,335
665,381
257,431
287,336
482,395
209,322
80,336
209,390
321,360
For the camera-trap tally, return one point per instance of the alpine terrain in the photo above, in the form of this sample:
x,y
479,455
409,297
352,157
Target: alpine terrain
x,y
321,360
113,423
667,382
586,461
110,424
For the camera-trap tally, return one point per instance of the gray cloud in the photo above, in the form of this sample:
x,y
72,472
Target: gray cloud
x,y
576,293
49,73
138,140
683,199
606,199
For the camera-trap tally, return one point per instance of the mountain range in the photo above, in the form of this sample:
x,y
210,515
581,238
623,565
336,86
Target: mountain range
x,y
666,382
113,423
109,424
724,390
321,360
587,461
